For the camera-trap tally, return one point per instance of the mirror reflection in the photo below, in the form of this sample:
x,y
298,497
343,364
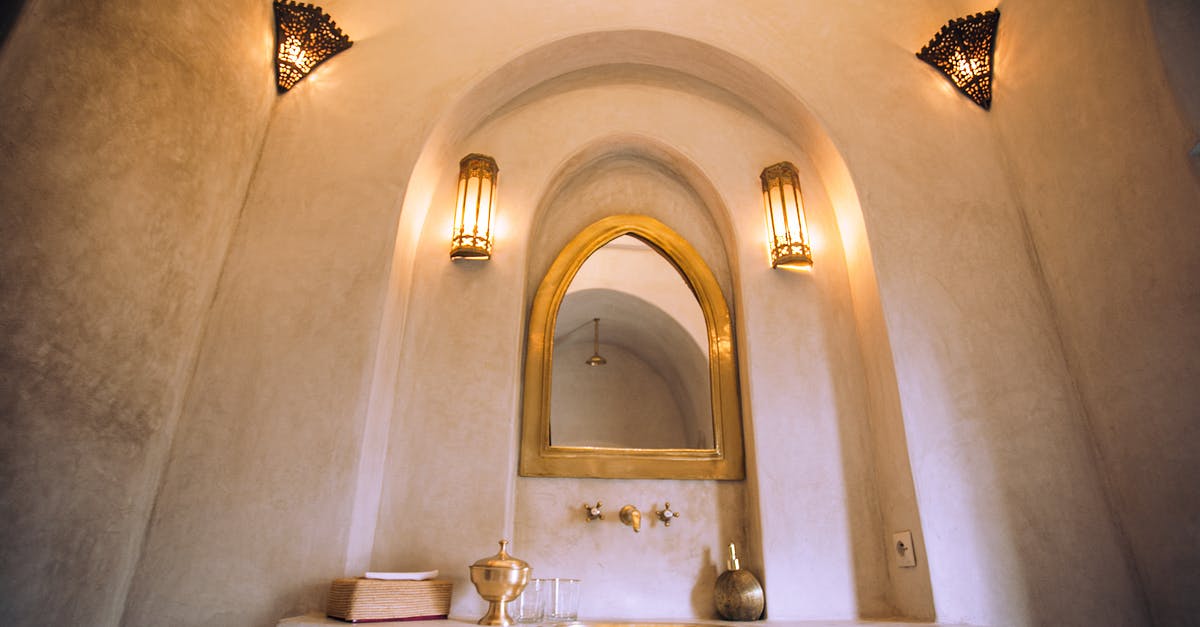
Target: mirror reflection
x,y
630,366
630,357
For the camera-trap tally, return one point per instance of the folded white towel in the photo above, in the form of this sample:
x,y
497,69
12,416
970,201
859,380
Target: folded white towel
x,y
414,576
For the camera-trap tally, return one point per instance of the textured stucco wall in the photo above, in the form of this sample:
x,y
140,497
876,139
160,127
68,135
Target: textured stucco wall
x,y
1098,155
809,414
253,515
128,134
991,476
830,575
283,452
484,413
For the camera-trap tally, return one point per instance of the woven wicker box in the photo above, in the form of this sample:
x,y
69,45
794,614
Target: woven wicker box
x,y
360,600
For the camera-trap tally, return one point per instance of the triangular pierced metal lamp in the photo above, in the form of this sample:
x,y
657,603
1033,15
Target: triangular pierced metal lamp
x,y
963,51
304,37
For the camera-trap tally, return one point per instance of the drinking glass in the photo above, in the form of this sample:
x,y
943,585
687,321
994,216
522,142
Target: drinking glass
x,y
561,599
528,608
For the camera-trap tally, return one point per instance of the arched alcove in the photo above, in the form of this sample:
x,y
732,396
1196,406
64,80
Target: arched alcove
x,y
610,157
650,163
663,572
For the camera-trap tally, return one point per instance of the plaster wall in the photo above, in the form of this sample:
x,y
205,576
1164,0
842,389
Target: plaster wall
x,y
666,572
1007,487
337,330
1101,169
128,135
649,408
264,465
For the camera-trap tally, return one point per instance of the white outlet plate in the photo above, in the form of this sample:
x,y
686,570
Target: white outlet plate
x,y
903,550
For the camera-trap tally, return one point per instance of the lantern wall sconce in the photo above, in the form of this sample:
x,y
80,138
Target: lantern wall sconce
x,y
304,37
787,231
963,51
472,236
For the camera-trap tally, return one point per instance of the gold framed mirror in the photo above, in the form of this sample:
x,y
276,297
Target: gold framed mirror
x,y
605,417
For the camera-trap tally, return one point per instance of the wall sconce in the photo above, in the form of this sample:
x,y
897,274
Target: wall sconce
x,y
963,51
304,37
472,236
787,232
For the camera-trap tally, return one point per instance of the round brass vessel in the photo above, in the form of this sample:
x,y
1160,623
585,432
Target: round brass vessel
x,y
499,579
737,593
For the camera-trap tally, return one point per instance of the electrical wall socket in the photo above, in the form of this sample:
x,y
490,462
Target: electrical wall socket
x,y
903,549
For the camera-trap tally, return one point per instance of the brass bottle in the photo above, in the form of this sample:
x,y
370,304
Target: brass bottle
x,y
737,594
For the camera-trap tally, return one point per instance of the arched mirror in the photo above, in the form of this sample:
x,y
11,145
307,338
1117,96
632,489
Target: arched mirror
x,y
629,370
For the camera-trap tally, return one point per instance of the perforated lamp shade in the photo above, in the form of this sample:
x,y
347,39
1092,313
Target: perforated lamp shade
x,y
304,38
963,51
472,235
787,231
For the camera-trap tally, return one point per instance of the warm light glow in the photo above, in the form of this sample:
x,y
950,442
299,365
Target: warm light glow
x,y
963,50
795,268
306,36
291,52
472,234
965,69
787,230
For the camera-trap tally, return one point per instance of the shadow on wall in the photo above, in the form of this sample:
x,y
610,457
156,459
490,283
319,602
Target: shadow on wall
x,y
1177,32
9,13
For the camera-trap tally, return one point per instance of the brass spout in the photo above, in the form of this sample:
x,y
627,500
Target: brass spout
x,y
632,517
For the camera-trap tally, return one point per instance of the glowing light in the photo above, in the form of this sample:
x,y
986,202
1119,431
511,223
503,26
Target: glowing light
x,y
306,37
787,230
963,50
471,237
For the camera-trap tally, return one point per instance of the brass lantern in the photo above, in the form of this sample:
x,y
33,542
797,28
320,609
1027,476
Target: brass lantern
x,y
472,236
787,232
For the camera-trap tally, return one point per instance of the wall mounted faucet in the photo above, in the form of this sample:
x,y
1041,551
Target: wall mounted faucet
x,y
593,511
632,517
667,515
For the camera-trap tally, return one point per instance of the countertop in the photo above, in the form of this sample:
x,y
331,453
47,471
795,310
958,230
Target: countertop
x,y
316,619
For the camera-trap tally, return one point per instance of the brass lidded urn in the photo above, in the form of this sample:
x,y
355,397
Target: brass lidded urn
x,y
499,579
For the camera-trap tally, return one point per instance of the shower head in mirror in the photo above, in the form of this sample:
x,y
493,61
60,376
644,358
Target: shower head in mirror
x,y
596,359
